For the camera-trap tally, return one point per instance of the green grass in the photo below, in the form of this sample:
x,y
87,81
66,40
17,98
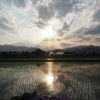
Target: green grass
x,y
52,58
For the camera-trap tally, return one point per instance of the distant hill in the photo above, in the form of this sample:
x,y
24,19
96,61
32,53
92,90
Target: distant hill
x,y
8,48
89,48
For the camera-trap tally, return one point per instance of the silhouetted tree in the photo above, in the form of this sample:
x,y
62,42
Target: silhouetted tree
x,y
39,52
55,52
27,54
66,53
4,54
23,54
33,54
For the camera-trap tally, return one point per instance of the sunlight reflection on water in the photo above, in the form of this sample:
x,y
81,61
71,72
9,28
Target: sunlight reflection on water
x,y
49,79
79,81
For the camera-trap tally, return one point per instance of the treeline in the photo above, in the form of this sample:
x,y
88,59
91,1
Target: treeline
x,y
41,53
75,53
23,54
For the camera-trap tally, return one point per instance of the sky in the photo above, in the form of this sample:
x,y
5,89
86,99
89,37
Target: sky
x,y
50,24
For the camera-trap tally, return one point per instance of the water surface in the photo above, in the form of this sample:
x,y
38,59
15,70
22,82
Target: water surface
x,y
78,81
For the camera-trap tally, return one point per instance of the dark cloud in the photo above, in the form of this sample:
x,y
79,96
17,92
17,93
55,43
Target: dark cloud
x,y
66,44
63,7
40,24
80,30
96,16
19,3
45,13
84,39
79,34
69,37
97,39
86,31
55,9
93,30
65,26
82,33
64,29
60,32
4,20
4,24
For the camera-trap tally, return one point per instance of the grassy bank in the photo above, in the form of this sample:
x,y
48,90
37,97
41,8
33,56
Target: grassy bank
x,y
47,59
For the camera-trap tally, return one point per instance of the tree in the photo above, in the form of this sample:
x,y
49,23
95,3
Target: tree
x,y
39,52
55,52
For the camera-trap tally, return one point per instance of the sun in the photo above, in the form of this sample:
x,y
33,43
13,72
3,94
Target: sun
x,y
49,32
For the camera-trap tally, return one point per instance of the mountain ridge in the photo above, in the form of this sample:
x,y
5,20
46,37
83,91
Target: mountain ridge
x,y
8,48
90,48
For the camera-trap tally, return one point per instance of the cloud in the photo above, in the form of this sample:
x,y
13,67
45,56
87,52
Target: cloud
x,y
73,20
65,26
84,39
40,24
23,7
80,30
48,39
76,33
4,25
19,3
58,39
24,43
8,22
58,8
97,39
96,16
70,36
60,32
93,30
66,44
45,13
2,34
63,7
98,3
55,9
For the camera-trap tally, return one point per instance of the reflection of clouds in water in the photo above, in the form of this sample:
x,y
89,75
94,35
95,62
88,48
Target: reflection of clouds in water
x,y
63,79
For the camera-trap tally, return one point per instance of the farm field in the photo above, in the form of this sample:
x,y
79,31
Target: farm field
x,y
76,80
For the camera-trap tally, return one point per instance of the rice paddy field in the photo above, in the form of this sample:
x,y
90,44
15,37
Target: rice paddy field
x,y
75,80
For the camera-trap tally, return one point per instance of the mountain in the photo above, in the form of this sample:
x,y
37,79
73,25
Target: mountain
x,y
8,48
89,48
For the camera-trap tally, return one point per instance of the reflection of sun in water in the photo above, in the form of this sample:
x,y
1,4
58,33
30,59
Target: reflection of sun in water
x,y
49,79
49,32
